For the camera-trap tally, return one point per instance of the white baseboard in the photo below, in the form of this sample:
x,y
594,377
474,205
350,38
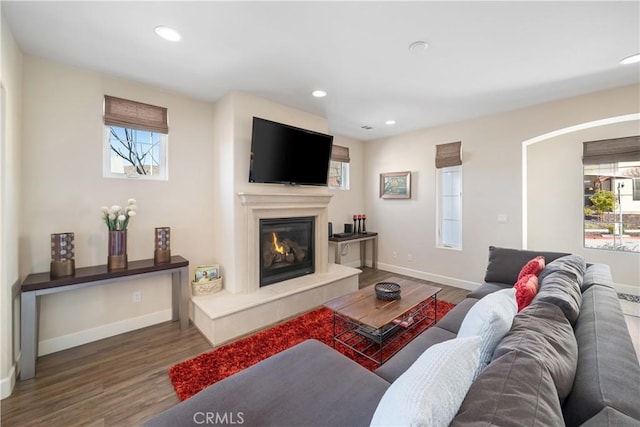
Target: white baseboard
x,y
64,342
451,281
445,280
7,383
626,289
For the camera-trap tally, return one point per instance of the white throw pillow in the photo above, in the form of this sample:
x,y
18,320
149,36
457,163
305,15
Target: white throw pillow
x,y
431,391
491,319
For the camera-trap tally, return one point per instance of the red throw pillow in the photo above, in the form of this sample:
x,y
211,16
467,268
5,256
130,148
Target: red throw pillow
x,y
526,289
535,266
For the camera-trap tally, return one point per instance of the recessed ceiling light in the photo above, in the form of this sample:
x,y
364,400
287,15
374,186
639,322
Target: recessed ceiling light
x,y
631,59
419,46
168,33
390,122
319,93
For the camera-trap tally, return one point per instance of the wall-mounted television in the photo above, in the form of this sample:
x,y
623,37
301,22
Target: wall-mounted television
x,y
286,154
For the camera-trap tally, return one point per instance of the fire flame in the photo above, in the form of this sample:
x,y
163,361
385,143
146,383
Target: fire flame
x,y
278,248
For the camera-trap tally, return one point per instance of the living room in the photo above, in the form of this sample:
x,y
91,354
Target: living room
x,y
52,167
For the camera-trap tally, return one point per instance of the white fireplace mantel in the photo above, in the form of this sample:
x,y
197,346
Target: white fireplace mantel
x,y
283,205
243,306
279,199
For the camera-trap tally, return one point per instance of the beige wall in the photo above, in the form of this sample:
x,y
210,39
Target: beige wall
x,y
555,201
492,185
63,190
345,203
10,218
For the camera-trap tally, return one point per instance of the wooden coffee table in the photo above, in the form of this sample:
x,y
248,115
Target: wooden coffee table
x,y
370,326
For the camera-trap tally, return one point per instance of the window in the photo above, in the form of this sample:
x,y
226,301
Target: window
x,y
449,195
611,203
135,140
339,168
450,207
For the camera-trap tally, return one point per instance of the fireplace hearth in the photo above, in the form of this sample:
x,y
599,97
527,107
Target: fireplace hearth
x,y
286,248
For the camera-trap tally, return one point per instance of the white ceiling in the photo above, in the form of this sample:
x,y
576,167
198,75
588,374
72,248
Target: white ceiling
x,y
484,57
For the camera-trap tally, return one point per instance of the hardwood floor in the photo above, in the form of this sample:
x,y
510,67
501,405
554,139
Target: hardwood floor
x,y
118,381
122,380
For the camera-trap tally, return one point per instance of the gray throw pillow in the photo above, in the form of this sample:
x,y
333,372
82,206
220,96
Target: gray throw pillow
x,y
560,283
543,332
514,389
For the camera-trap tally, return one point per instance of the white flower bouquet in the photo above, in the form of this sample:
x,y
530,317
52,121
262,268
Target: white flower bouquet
x,y
117,217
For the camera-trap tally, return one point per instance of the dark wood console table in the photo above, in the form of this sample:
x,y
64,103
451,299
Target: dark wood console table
x,y
362,238
39,284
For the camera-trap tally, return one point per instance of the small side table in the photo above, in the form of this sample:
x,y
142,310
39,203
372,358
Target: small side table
x,y
38,284
363,238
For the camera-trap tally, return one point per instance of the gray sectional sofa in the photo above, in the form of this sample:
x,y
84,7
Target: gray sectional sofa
x,y
567,359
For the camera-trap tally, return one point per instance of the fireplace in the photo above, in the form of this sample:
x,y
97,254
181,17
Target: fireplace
x,y
286,248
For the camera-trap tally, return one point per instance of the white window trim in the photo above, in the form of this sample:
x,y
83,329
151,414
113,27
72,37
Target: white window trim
x,y
346,177
438,215
106,160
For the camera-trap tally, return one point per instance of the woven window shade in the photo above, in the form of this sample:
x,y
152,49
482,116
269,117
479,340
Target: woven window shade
x,y
611,150
135,115
340,154
449,154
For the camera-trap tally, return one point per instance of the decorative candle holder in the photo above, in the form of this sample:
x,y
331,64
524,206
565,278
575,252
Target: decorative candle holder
x,y
162,251
62,255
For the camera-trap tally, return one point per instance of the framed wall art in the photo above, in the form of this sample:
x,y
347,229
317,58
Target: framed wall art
x,y
395,185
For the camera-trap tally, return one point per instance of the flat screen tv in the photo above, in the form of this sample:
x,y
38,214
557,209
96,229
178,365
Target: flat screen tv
x,y
286,154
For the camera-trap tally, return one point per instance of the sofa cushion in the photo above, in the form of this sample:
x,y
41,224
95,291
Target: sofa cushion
x,y
544,333
526,289
487,288
611,418
453,319
505,264
430,392
608,373
535,266
401,361
559,284
596,274
514,390
490,319
307,384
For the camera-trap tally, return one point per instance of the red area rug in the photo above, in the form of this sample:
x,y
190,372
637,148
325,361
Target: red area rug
x,y
193,375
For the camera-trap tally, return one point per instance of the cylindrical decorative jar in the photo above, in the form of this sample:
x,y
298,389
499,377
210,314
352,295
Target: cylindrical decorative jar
x,y
117,258
162,246
62,255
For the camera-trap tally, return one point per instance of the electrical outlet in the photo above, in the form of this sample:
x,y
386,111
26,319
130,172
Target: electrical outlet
x,y
394,254
137,296
409,257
